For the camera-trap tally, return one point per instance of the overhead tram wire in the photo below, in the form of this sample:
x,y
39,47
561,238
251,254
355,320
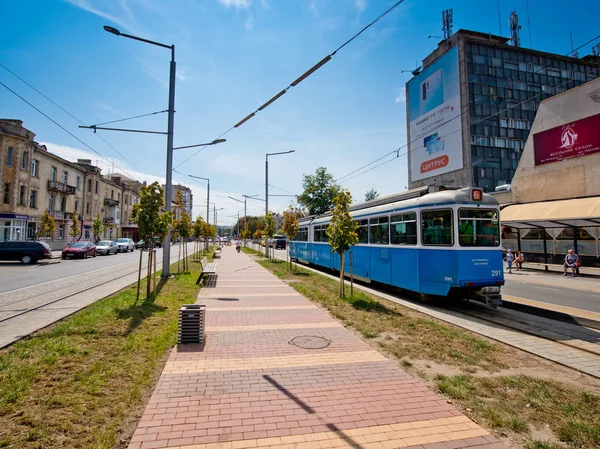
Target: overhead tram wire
x,y
131,118
343,178
301,78
66,130
70,115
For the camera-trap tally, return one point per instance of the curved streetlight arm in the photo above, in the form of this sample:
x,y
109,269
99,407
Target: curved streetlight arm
x,y
141,39
214,142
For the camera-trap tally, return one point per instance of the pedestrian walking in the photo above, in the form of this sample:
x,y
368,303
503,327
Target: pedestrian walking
x,y
509,260
571,261
238,246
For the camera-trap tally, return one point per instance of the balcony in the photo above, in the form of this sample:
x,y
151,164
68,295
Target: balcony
x,y
56,186
60,215
110,202
108,220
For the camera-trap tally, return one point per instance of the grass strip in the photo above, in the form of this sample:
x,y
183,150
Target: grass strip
x,y
83,382
516,405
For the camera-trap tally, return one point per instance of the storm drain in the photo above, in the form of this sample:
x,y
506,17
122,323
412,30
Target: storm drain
x,y
310,342
191,324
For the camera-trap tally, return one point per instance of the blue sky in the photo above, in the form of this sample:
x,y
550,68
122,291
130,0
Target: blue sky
x,y
233,55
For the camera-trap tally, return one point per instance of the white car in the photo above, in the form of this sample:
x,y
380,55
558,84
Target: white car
x,y
106,247
124,245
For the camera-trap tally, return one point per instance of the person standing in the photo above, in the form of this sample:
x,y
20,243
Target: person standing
x,y
571,261
509,260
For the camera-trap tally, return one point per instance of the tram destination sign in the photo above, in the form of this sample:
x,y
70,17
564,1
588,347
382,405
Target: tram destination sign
x,y
575,139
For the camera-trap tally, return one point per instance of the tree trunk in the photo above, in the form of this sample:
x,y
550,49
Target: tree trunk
x,y
341,275
149,275
139,275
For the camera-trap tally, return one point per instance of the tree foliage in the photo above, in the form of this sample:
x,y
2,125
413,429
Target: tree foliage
x,y
75,231
151,221
319,190
47,225
290,224
371,195
98,228
269,225
342,230
183,226
198,230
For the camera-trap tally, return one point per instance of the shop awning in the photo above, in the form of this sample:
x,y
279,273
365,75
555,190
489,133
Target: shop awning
x,y
552,214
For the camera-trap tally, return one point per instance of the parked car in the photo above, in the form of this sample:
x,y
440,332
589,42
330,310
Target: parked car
x,y
124,245
79,249
25,251
107,247
280,243
142,243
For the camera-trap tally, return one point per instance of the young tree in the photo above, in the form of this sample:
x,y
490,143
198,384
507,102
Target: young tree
x,y
319,191
371,195
342,230
198,231
258,234
290,227
151,222
74,231
269,230
47,225
183,227
98,228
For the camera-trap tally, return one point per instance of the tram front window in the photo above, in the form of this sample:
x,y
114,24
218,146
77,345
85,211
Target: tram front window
x,y
478,227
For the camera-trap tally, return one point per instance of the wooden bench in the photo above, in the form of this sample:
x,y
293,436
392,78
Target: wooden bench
x,y
208,268
217,253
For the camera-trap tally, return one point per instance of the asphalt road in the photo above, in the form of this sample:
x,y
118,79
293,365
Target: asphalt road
x,y
14,275
564,296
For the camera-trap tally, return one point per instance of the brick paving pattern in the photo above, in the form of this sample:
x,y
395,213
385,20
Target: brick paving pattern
x,y
249,387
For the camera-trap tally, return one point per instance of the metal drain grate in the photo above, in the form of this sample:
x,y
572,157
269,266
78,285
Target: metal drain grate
x,y
310,342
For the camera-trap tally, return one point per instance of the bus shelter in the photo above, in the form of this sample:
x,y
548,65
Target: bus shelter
x,y
545,231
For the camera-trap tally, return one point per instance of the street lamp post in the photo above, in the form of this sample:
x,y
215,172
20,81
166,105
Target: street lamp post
x,y
245,214
267,186
166,271
207,200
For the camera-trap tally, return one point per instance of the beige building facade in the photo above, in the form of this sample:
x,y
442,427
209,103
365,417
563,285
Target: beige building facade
x,y
34,180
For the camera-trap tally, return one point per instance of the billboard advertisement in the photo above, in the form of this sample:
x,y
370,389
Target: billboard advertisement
x,y
434,118
575,139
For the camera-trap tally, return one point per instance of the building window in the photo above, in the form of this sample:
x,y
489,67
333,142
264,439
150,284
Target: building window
x,y
76,205
22,193
51,203
119,196
112,194
97,187
89,185
61,231
9,157
87,233
65,177
6,193
53,174
78,182
87,208
33,199
35,167
25,161
63,204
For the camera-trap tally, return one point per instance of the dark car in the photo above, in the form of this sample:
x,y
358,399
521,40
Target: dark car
x,y
280,243
25,251
79,249
142,243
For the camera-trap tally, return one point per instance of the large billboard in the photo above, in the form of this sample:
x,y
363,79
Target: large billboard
x,y
575,139
434,115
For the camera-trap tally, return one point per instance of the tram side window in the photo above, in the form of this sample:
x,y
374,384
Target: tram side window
x,y
379,231
320,233
302,235
363,231
478,227
436,227
403,229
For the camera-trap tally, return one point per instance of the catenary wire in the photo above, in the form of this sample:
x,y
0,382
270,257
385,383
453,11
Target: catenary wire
x,y
66,130
343,178
299,79
131,118
69,114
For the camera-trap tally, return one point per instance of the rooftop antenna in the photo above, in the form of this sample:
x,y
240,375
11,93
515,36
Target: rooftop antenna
x,y
574,53
499,20
528,24
447,23
515,29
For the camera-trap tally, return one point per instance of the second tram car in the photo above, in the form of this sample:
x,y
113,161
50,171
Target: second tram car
x,y
444,243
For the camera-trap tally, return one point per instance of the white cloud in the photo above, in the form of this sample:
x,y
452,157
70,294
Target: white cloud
x,y
87,6
312,5
249,22
237,4
110,109
361,5
401,96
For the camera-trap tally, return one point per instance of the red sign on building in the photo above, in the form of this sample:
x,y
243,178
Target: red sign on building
x,y
575,139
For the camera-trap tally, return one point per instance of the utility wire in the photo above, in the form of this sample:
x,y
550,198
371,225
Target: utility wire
x,y
301,78
68,113
283,190
343,178
130,118
65,129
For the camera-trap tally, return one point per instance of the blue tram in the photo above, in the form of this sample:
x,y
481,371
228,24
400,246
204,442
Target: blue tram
x,y
444,243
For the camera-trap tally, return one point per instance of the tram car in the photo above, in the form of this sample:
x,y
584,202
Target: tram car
x,y
434,243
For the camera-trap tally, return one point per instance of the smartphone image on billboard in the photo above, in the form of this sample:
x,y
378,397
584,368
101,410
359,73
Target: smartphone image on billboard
x,y
433,144
432,91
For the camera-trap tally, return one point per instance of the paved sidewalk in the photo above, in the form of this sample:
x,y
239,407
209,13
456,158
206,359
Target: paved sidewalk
x,y
251,387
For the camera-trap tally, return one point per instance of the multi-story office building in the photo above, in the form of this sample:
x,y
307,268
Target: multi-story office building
x,y
470,109
187,198
34,180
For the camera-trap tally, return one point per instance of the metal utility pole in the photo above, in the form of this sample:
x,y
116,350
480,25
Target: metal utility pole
x,y
267,188
207,199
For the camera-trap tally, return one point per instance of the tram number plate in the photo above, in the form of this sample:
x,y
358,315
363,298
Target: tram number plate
x,y
496,273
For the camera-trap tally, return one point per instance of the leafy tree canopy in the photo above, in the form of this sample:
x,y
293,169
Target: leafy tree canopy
x,y
74,231
319,190
342,229
151,221
47,225
371,195
290,224
269,225
98,228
